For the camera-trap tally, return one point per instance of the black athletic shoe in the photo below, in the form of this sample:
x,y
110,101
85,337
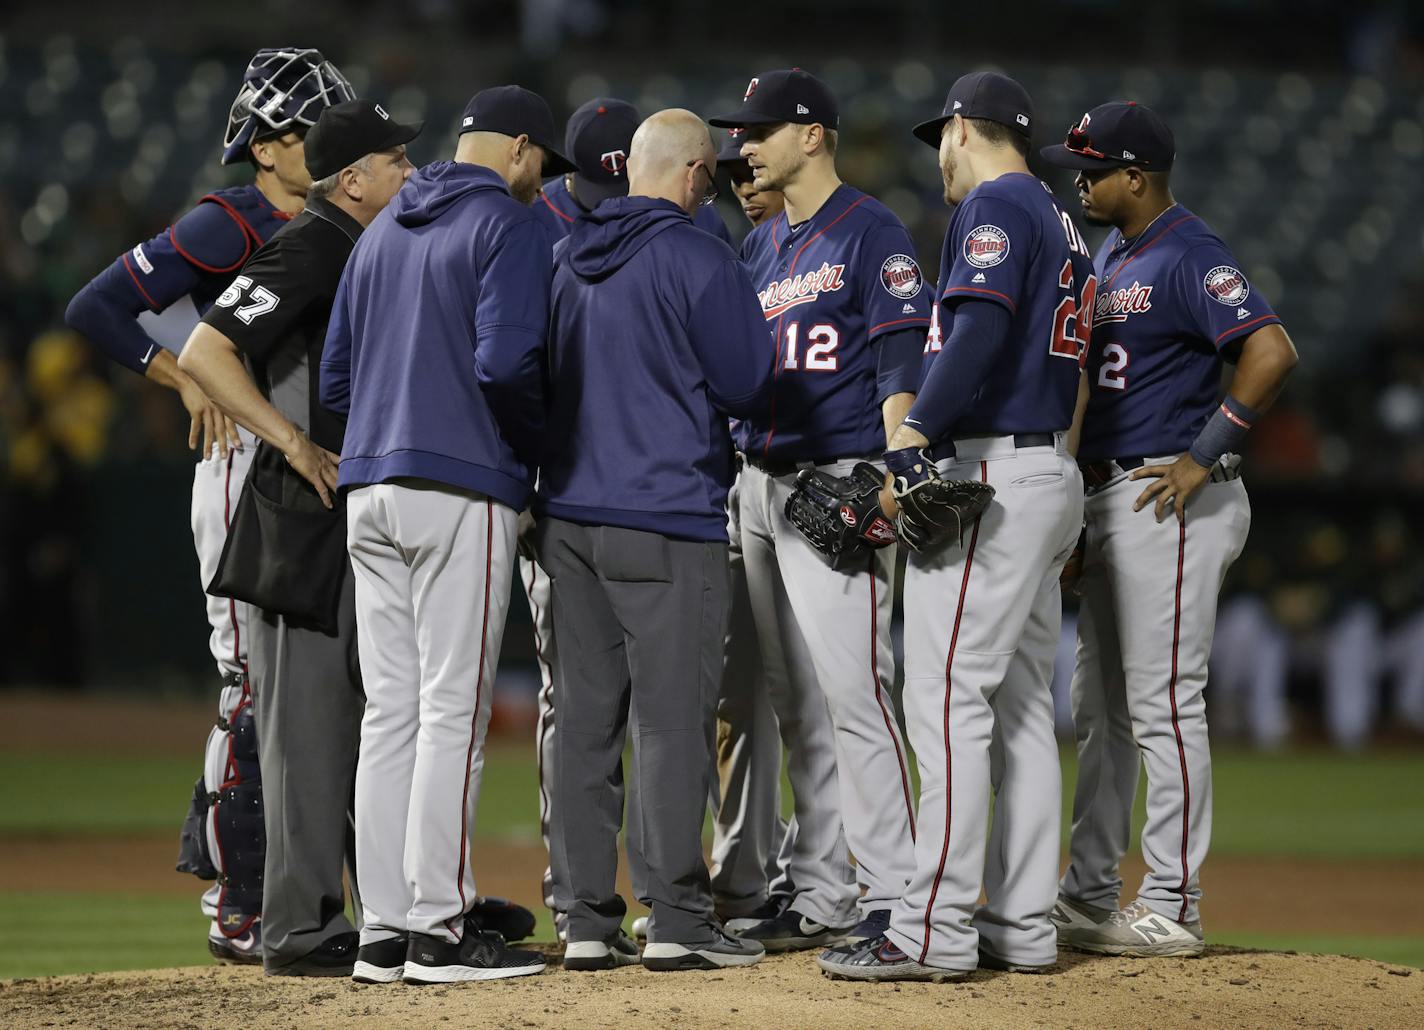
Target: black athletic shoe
x,y
768,909
618,950
721,953
335,956
480,956
512,922
381,962
791,931
874,924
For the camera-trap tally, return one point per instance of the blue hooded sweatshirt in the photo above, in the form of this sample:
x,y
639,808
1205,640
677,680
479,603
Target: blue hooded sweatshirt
x,y
435,349
656,338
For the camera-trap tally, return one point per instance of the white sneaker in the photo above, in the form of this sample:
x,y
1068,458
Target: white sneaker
x,y
618,950
1073,918
1139,932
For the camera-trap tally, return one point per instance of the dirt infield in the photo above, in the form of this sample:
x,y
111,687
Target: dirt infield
x,y
1228,988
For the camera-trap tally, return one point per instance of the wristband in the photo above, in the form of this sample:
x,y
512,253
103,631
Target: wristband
x,y
912,464
1222,432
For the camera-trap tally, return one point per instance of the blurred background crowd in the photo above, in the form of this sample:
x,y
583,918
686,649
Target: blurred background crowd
x,y
1300,133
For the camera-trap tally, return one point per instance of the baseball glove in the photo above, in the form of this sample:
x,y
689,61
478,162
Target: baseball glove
x,y
840,515
931,509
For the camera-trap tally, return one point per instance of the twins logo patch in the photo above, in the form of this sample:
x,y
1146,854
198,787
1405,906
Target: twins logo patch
x,y
848,515
751,88
1226,285
901,276
614,161
986,246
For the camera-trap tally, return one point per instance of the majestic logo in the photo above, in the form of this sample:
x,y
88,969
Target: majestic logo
x,y
614,161
382,112
901,276
848,515
1226,285
751,88
986,246
1117,305
1242,313
782,296
141,259
979,277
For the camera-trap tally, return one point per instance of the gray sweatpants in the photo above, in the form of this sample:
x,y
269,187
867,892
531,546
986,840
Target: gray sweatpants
x,y
307,700
640,620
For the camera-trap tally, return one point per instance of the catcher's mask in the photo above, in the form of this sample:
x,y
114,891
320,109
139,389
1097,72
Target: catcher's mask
x,y
284,89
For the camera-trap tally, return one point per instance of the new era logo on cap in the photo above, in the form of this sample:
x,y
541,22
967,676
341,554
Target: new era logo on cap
x,y
467,123
802,109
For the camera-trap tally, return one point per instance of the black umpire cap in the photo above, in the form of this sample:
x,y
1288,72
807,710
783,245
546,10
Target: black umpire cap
x,y
516,111
987,95
599,136
348,131
788,95
1116,135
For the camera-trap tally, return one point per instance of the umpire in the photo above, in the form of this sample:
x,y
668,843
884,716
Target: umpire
x,y
303,666
656,337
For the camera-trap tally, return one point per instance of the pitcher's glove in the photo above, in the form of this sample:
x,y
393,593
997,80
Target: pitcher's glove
x,y
840,515
931,509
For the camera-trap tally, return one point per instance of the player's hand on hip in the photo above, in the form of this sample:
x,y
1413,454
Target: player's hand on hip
x,y
207,421
315,464
1174,487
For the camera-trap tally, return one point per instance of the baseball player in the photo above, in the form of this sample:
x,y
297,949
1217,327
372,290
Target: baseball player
x,y
181,272
597,139
445,402
1172,305
838,281
982,616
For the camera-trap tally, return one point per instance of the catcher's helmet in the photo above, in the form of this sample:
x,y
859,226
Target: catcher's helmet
x,y
284,89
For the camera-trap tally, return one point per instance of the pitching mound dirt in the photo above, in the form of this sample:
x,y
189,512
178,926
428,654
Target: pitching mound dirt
x,y
1228,988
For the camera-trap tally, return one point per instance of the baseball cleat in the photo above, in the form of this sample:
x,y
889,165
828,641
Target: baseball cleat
x,y
988,960
381,962
640,927
721,953
512,922
768,909
584,956
480,956
243,950
1073,918
791,931
873,925
879,959
1139,932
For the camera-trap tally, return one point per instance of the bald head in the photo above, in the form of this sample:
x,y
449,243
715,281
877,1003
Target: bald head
x,y
672,158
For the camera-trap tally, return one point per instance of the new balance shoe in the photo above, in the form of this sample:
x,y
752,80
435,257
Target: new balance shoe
x,y
618,950
1073,918
243,950
335,956
1139,932
879,959
381,962
873,925
768,909
791,931
725,951
512,922
482,955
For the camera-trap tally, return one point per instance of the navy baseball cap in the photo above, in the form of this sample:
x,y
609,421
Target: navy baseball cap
x,y
732,149
347,132
599,136
516,111
786,95
987,95
1116,135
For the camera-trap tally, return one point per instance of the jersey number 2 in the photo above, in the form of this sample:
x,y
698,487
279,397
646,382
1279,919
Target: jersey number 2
x,y
263,299
1070,335
820,355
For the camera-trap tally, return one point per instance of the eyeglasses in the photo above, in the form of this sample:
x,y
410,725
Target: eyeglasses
x,y
710,196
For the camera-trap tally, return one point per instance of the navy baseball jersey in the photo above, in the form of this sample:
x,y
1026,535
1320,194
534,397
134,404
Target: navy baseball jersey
x,y
197,256
1010,243
830,287
557,210
1170,303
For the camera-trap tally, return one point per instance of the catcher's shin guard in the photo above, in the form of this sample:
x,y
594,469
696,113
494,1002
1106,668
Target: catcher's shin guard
x,y
236,837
